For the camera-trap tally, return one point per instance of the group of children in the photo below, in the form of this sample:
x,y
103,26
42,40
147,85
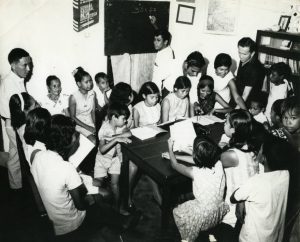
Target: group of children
x,y
222,175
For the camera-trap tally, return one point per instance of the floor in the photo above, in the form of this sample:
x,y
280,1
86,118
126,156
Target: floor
x,y
20,222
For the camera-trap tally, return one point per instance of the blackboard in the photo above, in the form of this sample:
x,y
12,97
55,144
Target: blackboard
x,y
128,28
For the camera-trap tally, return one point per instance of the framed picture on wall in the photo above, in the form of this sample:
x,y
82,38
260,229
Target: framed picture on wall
x,y
284,22
185,14
221,17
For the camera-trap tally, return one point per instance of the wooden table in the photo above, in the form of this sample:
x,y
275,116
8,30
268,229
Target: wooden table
x,y
146,155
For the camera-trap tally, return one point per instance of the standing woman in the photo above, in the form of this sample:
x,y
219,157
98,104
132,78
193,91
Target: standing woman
x,y
224,83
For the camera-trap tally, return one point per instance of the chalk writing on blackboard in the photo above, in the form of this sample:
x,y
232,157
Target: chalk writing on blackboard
x,y
128,28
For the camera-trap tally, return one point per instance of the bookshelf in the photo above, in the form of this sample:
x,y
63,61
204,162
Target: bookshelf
x,y
273,47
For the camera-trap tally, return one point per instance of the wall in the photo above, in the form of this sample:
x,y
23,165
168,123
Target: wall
x,y
44,29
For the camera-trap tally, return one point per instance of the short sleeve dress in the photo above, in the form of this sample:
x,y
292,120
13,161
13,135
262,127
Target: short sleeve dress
x,y
208,208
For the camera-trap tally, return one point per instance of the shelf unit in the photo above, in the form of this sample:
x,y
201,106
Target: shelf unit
x,y
273,47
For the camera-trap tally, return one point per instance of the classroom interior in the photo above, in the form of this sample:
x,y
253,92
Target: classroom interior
x,y
45,29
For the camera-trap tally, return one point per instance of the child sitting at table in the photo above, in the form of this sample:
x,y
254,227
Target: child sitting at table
x,y
208,208
109,156
82,104
291,120
101,80
266,194
55,102
207,98
147,111
176,104
279,87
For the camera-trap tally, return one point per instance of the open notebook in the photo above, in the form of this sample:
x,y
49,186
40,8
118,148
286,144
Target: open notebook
x,y
146,132
183,134
206,119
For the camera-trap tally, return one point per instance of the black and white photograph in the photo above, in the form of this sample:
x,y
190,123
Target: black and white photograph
x,y
149,121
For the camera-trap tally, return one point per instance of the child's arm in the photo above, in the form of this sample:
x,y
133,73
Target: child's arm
x,y
187,113
136,118
229,159
226,108
104,147
165,109
186,158
72,109
184,170
78,195
93,113
237,98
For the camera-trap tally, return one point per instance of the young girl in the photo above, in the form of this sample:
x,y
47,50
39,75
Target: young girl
x,y
103,85
291,120
207,98
276,116
224,83
82,104
20,105
266,194
279,86
147,112
238,159
55,102
176,104
208,208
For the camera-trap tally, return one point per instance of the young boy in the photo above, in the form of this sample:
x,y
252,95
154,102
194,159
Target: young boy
x,y
257,108
266,194
291,120
109,156
103,85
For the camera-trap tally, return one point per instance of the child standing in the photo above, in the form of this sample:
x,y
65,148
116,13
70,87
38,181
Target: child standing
x,y
208,208
207,98
279,86
108,159
103,85
265,195
82,104
238,159
176,104
147,111
55,102
224,83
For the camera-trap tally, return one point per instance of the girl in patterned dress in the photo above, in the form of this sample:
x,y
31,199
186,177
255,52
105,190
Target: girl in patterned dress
x,y
207,98
208,208
82,104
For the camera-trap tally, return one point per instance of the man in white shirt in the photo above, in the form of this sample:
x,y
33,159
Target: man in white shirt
x,y
165,58
14,83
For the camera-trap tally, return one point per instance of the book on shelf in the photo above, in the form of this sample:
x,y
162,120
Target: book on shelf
x,y
85,14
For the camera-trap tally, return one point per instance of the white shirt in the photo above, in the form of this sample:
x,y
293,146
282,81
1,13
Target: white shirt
x,y
148,115
261,118
266,200
276,92
10,85
100,96
57,107
163,65
221,84
54,178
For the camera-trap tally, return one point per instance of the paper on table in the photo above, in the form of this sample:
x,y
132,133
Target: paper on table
x,y
183,134
146,132
88,182
206,119
85,146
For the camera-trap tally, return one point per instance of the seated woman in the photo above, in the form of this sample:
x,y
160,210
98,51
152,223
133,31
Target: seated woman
x,y
207,98
224,80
